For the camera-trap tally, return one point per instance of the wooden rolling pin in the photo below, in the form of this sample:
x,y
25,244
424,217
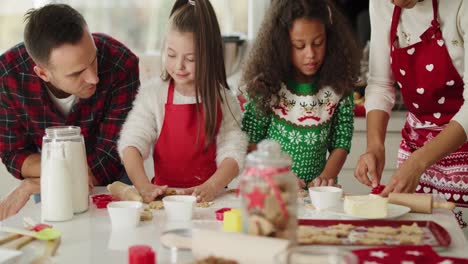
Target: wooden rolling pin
x,y
124,192
419,203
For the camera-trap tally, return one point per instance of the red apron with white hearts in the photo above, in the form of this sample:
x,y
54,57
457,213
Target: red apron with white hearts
x,y
432,90
179,159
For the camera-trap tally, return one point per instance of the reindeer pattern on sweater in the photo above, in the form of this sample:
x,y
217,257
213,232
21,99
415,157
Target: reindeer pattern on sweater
x,y
307,122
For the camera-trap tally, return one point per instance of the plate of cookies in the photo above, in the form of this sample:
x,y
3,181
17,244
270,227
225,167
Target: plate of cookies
x,y
372,233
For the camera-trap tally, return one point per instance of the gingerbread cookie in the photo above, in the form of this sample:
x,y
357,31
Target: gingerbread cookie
x,y
156,205
146,216
388,230
408,239
379,236
260,226
337,232
347,227
306,231
370,241
215,260
204,204
411,229
322,239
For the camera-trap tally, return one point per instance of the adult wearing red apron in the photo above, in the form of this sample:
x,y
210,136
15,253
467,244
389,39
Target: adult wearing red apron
x,y
180,158
432,90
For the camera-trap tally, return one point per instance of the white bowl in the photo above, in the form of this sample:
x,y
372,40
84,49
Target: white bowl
x,y
179,207
323,197
124,214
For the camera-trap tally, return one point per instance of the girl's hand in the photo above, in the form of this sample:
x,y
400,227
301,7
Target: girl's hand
x,y
372,162
301,183
405,179
205,192
322,181
149,192
18,198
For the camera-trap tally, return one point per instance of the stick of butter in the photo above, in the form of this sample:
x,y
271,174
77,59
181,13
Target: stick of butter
x,y
366,206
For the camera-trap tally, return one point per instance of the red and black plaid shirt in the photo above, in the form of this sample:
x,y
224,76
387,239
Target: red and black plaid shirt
x,y
26,109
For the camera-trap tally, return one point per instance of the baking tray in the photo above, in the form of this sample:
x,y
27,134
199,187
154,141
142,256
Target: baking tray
x,y
434,235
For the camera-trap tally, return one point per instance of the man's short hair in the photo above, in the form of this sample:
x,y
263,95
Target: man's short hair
x,y
49,27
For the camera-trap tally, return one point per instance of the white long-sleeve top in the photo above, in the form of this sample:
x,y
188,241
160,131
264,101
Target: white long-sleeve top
x,y
144,122
453,19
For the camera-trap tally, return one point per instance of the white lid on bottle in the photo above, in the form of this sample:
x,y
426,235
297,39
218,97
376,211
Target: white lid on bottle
x,y
63,132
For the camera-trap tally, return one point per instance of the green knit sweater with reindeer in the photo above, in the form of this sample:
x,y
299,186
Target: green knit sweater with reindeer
x,y
307,122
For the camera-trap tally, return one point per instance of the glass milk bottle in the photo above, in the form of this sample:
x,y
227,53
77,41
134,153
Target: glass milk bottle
x,y
268,191
64,173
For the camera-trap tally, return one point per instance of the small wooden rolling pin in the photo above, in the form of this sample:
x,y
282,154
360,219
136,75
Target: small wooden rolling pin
x,y
419,203
124,192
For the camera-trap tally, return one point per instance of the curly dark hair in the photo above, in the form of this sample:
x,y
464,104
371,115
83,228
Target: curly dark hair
x,y
269,63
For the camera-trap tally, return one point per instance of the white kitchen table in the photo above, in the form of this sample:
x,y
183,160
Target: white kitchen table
x,y
88,237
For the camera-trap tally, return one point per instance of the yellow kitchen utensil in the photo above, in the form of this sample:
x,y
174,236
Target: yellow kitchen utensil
x,y
50,249
44,234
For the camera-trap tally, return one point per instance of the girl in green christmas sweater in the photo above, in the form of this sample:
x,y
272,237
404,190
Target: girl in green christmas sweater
x,y
299,80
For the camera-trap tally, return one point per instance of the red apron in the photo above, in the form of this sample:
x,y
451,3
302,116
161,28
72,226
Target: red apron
x,y
432,90
179,161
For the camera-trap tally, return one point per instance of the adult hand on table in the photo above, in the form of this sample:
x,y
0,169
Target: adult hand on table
x,y
15,200
405,179
372,162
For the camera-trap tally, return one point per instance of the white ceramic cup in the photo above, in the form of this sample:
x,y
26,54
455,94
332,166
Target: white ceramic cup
x,y
179,207
124,214
323,197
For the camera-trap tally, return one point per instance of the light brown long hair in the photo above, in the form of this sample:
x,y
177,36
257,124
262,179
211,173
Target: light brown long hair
x,y
269,63
210,74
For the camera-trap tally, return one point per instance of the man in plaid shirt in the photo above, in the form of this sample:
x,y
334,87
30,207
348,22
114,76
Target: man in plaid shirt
x,y
62,75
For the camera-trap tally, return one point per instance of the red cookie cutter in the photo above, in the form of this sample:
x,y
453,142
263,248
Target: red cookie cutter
x,y
220,213
101,200
378,189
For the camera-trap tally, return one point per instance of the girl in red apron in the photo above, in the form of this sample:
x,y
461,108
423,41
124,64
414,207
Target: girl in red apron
x,y
187,153
433,154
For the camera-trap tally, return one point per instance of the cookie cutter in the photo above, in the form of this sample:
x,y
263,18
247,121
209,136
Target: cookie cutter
x,y
220,213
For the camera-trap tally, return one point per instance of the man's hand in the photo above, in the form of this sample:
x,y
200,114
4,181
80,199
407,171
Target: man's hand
x,y
15,200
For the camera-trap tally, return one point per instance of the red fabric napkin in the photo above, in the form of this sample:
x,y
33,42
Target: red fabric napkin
x,y
404,255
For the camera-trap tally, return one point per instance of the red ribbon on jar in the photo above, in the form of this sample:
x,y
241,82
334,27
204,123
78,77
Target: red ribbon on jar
x,y
267,174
